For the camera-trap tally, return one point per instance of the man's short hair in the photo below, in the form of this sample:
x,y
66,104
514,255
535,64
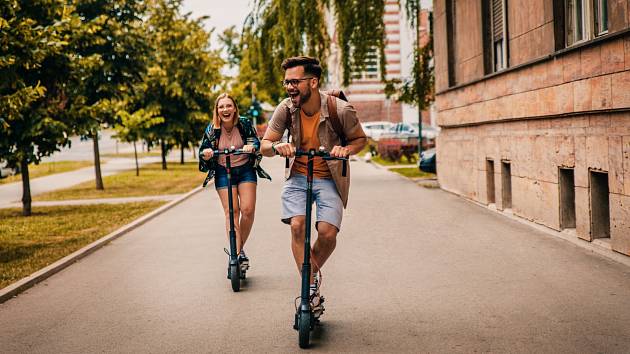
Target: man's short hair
x,y
311,65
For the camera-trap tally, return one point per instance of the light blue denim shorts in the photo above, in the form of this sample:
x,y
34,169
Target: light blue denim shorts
x,y
329,207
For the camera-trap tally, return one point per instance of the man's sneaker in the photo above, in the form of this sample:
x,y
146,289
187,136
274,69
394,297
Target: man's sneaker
x,y
317,301
244,261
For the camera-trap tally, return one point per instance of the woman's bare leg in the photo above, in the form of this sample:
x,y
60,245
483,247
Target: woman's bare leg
x,y
247,203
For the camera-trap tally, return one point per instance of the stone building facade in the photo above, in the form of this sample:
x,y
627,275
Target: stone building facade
x,y
533,97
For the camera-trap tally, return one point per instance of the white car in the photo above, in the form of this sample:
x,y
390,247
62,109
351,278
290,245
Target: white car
x,y
374,130
6,171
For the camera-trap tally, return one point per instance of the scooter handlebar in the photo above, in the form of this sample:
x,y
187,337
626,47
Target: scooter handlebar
x,y
325,155
232,151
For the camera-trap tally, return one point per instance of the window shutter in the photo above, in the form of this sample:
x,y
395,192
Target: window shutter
x,y
497,20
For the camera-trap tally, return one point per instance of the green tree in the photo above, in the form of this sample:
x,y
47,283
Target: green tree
x,y
230,42
277,29
35,64
182,77
419,88
134,126
116,40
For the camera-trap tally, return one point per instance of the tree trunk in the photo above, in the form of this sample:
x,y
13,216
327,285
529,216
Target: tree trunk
x,y
163,145
135,154
26,188
181,154
97,162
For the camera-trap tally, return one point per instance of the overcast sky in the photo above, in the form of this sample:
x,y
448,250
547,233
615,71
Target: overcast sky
x,y
223,13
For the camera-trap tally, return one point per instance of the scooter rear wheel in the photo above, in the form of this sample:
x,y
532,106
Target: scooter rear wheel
x,y
235,277
304,328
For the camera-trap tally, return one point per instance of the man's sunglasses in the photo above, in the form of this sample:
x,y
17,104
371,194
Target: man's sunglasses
x,y
294,82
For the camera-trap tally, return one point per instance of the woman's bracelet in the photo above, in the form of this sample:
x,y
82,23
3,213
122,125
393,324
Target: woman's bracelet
x,y
273,147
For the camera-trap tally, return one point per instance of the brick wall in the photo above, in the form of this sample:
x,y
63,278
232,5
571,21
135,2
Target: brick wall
x,y
369,111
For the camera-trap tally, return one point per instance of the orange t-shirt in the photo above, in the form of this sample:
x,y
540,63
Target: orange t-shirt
x,y
310,140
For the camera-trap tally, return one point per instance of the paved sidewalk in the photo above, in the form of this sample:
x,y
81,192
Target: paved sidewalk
x,y
415,270
12,192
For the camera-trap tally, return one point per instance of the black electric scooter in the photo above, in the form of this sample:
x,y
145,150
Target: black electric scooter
x,y
235,272
304,319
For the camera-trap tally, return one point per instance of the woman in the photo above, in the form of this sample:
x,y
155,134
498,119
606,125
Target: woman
x,y
226,130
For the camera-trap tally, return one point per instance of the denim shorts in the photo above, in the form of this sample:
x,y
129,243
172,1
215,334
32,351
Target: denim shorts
x,y
329,207
240,174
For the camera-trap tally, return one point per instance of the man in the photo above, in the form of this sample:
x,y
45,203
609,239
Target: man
x,y
306,114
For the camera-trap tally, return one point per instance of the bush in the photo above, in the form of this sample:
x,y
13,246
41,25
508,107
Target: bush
x,y
394,149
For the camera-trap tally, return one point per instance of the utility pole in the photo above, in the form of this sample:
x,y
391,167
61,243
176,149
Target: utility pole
x,y
252,106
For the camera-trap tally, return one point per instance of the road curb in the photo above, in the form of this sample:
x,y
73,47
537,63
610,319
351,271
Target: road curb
x,y
16,288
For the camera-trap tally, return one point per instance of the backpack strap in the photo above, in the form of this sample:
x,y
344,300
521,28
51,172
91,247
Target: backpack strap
x,y
334,119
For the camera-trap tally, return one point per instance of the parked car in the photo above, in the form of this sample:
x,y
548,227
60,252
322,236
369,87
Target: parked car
x,y
374,130
428,132
427,162
401,131
6,171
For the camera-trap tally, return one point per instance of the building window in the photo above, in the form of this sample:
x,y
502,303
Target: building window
x,y
585,20
494,35
600,8
371,70
499,38
450,41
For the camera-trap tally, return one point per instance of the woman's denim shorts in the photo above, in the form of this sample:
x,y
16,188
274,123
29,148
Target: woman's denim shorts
x,y
240,174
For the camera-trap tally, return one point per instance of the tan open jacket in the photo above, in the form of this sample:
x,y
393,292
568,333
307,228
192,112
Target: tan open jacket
x,y
326,133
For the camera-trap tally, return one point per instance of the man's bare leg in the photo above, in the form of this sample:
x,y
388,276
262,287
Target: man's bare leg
x,y
322,249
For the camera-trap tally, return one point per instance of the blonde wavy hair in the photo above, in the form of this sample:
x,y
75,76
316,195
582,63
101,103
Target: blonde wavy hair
x,y
216,121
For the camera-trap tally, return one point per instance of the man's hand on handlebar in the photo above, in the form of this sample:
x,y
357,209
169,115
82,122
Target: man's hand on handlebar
x,y
284,149
249,148
340,151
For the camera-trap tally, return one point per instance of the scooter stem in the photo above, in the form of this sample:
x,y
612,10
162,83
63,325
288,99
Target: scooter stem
x,y
306,266
228,168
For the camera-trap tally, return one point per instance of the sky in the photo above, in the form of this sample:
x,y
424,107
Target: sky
x,y
223,14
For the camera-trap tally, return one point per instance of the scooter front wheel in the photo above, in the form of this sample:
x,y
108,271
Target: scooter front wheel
x,y
235,277
304,328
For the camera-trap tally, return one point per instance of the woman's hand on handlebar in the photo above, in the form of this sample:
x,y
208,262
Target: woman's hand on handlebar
x,y
249,148
284,149
340,151
207,154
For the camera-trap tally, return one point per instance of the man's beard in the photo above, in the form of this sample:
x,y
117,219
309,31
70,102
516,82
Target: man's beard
x,y
303,97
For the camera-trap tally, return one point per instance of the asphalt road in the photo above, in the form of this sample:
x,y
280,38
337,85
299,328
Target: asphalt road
x,y
415,270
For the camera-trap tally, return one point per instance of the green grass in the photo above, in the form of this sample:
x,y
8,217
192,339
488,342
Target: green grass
x,y
28,244
152,181
131,155
48,168
403,161
412,172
